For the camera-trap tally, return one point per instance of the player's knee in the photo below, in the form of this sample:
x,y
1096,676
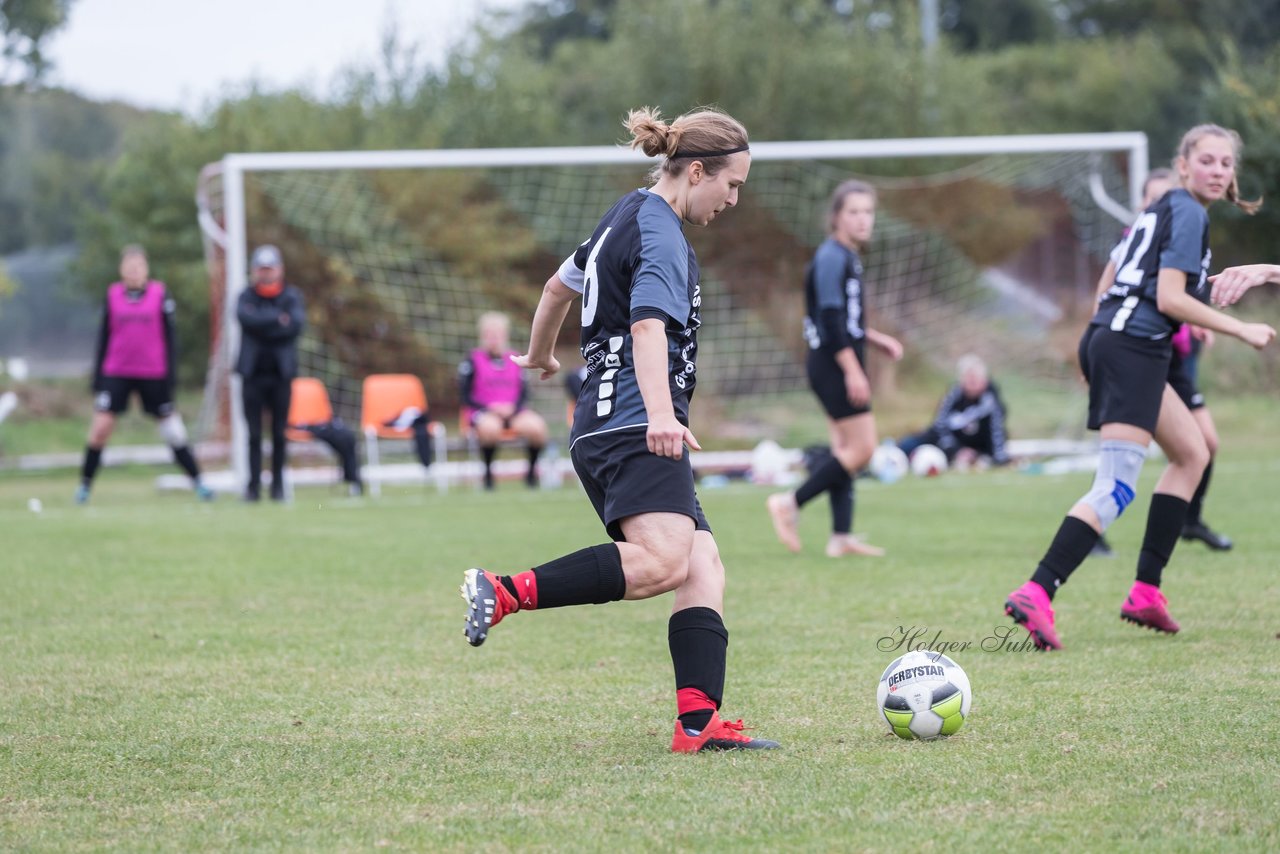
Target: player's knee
x,y
707,572
851,456
172,430
100,430
673,572
1108,499
1119,465
1196,457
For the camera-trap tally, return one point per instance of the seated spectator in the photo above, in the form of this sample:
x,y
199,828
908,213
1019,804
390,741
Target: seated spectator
x,y
492,390
970,420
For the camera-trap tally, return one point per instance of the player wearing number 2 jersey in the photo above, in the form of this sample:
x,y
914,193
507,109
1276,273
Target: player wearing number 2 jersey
x,y
641,309
1150,287
1182,376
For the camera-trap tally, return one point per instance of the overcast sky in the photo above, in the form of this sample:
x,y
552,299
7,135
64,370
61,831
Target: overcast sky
x,y
179,54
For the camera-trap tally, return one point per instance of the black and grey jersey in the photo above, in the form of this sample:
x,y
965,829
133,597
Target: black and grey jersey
x,y
833,299
635,266
962,416
1173,233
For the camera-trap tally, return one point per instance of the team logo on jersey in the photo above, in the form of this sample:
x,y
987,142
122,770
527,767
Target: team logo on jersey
x,y
853,290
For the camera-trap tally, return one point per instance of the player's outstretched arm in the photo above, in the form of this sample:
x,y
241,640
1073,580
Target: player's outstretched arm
x,y
1233,282
547,320
1172,299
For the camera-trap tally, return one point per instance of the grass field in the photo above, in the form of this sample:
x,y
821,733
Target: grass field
x,y
176,676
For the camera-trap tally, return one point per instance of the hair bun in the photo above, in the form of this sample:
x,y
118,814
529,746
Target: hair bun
x,y
649,132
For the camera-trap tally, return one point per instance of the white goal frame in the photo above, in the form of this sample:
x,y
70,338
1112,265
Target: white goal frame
x,y
233,168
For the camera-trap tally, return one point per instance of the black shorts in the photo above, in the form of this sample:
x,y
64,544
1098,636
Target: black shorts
x,y
827,381
623,478
1183,384
1126,377
112,395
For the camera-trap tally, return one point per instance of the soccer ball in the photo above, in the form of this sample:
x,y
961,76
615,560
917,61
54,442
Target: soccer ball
x,y
888,463
928,461
923,695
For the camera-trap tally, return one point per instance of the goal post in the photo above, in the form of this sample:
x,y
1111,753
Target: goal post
x,y
383,257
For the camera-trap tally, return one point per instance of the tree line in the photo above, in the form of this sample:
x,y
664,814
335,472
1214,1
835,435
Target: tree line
x,y
563,72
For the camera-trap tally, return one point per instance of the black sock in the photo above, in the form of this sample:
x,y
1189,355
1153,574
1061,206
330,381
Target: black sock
x,y
487,453
590,576
829,474
532,476
1070,546
1196,504
699,645
92,459
187,460
841,507
1165,519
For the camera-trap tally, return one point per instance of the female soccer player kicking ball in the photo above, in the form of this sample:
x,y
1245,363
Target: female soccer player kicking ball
x,y
641,309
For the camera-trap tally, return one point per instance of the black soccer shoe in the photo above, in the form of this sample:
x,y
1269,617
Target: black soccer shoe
x,y
1211,538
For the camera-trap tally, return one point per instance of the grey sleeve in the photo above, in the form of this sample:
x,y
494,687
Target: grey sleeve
x,y
661,279
1186,235
829,266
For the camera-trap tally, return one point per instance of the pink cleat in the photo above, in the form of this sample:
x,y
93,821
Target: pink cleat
x,y
1029,606
1146,606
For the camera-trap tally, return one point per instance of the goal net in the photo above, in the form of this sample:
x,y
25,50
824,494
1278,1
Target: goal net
x,y
988,245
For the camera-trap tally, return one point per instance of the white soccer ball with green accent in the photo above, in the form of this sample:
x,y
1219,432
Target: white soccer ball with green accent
x,y
923,695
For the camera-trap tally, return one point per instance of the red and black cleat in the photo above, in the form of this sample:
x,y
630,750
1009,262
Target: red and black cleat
x,y
718,735
487,603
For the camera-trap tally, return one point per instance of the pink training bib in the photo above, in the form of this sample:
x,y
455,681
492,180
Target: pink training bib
x,y
136,346
492,383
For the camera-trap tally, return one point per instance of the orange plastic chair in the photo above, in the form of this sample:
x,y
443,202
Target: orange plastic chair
x,y
309,404
384,397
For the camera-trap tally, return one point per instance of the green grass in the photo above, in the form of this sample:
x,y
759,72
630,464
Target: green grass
x,y
175,676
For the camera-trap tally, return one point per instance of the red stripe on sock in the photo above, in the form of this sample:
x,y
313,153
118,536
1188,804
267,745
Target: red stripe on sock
x,y
526,589
692,700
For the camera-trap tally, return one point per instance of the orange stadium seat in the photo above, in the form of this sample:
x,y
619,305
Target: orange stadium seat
x,y
309,404
384,397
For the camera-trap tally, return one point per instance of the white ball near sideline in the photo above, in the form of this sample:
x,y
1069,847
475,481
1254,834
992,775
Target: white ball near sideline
x,y
888,463
928,461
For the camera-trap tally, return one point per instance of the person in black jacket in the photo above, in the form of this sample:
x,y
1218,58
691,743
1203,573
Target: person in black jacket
x,y
970,418
271,316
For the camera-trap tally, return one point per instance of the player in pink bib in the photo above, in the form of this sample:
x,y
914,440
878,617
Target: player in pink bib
x,y
491,388
136,354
